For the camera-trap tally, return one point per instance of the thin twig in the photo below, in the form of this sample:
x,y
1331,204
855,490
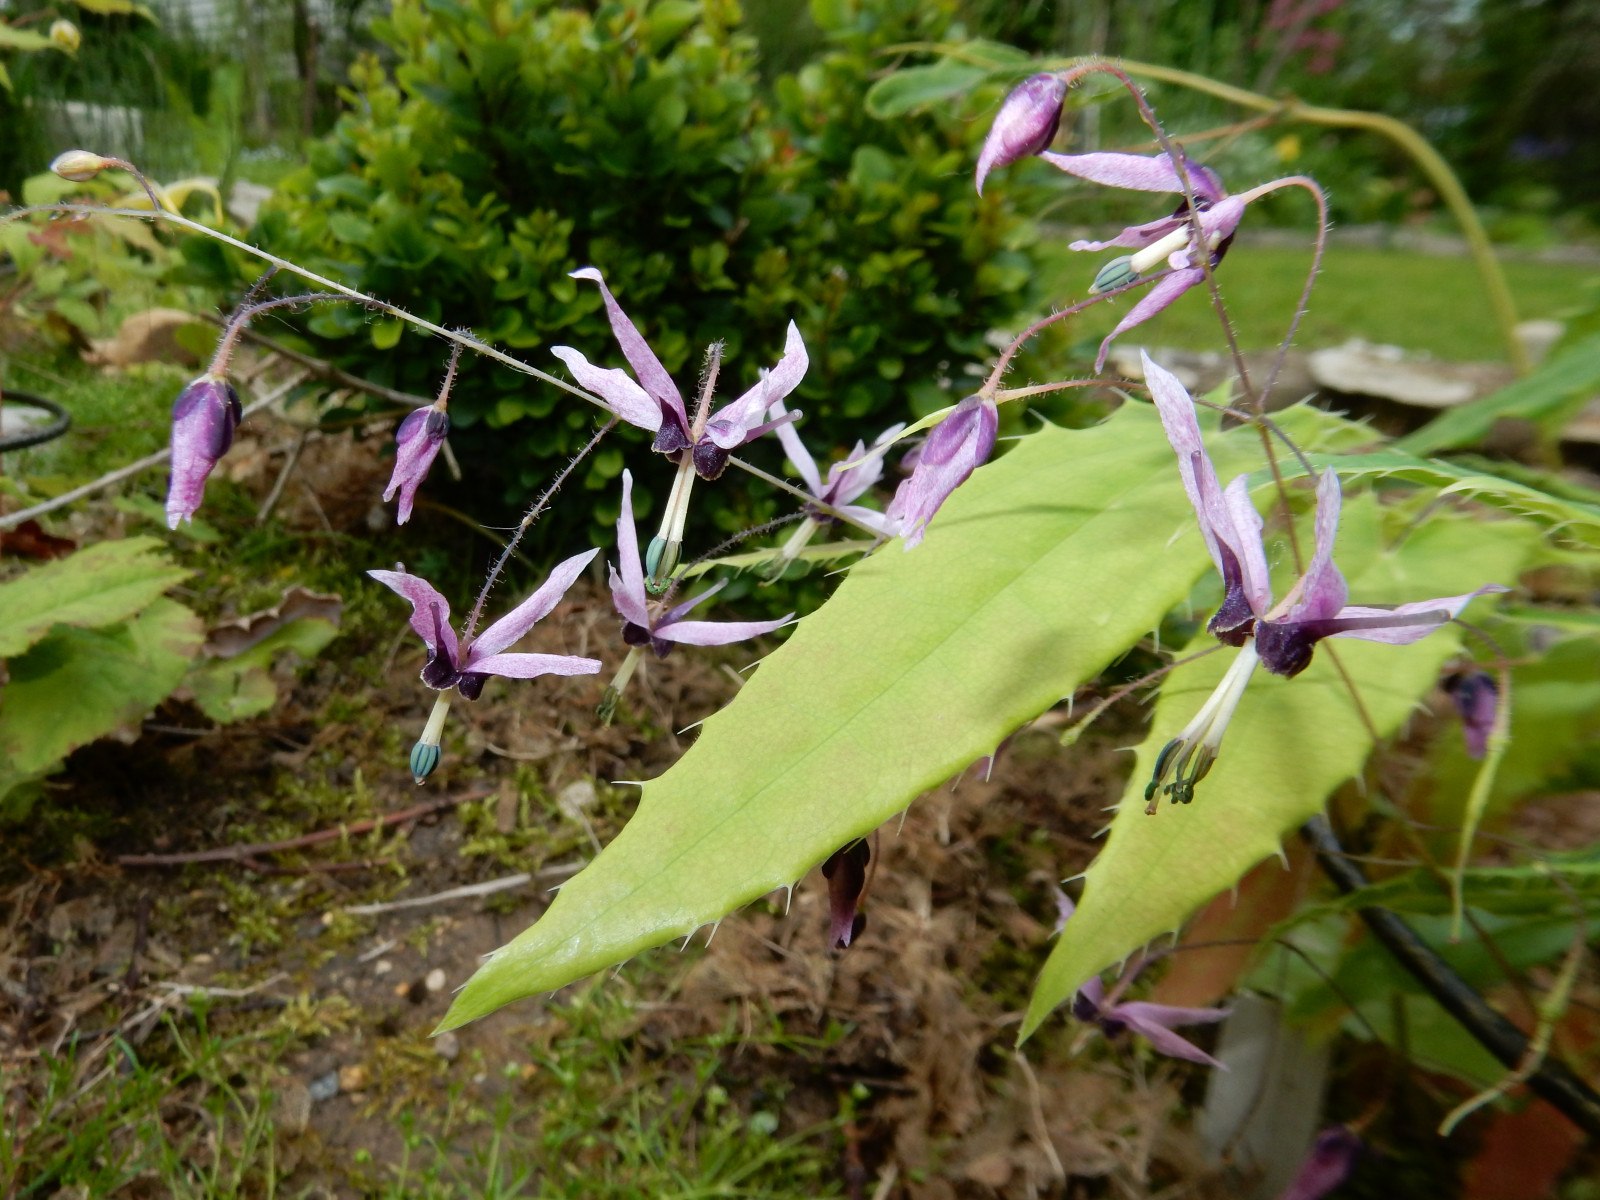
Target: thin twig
x,y
467,891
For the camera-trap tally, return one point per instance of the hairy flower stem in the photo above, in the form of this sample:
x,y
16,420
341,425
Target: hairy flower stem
x,y
783,485
532,515
992,384
235,326
607,708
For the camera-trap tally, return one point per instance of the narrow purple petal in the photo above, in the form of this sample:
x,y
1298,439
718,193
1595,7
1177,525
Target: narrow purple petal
x,y
1404,634
636,350
1332,1158
622,395
845,485
797,453
1323,590
627,589
1135,237
726,436
1026,123
717,633
510,628
430,612
1167,289
953,450
880,523
1246,522
204,418
1135,172
1148,1024
417,443
530,666
735,423
682,609
1090,998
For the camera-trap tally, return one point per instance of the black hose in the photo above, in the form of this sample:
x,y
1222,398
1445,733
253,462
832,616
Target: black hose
x,y
39,434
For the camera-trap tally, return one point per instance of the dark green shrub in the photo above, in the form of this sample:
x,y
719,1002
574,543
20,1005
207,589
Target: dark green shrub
x,y
513,142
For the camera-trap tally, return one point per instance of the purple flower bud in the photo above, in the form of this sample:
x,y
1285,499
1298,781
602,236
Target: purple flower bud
x,y
1026,123
955,448
1333,1156
1477,699
846,873
417,442
203,420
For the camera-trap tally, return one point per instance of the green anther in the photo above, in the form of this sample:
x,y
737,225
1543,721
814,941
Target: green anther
x,y
424,758
1116,273
660,561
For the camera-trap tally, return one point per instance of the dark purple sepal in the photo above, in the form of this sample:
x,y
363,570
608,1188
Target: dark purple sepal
x,y
846,873
1477,698
470,685
1284,647
670,438
710,460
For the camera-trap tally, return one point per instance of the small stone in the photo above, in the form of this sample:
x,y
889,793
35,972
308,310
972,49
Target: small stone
x,y
577,798
447,1046
324,1087
352,1078
382,967
436,980
293,1108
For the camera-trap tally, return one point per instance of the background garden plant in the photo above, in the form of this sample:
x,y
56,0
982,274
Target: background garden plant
x,y
1042,572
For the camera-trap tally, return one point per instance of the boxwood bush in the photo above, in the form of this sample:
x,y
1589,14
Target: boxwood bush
x,y
511,141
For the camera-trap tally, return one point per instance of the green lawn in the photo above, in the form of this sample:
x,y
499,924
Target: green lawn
x,y
1417,301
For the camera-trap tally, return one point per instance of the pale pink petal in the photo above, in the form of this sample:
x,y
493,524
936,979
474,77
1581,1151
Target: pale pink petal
x,y
430,612
1323,591
1167,289
531,666
636,350
1135,172
678,611
1165,1041
734,423
627,589
717,633
613,385
797,453
1246,544
1135,237
510,628
1449,607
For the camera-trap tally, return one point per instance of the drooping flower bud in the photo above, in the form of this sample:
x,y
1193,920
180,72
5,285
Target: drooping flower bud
x,y
204,418
846,873
1025,125
79,166
66,36
1477,700
955,448
417,443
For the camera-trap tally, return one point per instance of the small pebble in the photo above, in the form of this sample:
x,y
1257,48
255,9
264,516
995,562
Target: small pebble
x,y
382,967
447,1046
435,980
352,1078
293,1108
324,1087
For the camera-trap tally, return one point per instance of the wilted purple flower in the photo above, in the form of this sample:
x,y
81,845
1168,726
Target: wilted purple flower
x,y
204,418
1284,636
658,406
1333,1156
1026,123
1153,1022
1477,700
644,624
467,668
846,873
955,448
417,443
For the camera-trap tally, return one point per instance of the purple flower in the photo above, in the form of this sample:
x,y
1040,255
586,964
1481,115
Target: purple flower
x,y
847,876
1026,123
1153,1022
957,446
417,443
203,420
467,668
1477,700
845,482
1170,240
657,405
644,624
1332,1158
1281,637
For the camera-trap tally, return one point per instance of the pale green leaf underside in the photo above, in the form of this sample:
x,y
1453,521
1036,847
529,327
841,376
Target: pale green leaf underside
x,y
1044,567
1291,743
100,585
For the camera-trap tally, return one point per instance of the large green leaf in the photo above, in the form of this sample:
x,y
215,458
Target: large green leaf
x,y
1290,744
100,585
1039,571
76,685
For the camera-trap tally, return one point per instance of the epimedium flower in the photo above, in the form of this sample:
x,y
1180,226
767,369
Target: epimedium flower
x,y
954,448
648,621
466,664
417,443
204,418
1476,697
848,876
1156,1023
847,481
700,445
1283,636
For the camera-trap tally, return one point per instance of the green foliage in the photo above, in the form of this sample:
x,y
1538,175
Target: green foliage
x,y
1042,569
231,689
98,586
513,143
